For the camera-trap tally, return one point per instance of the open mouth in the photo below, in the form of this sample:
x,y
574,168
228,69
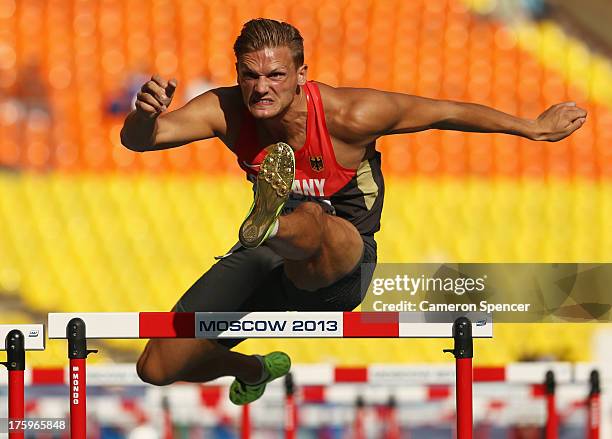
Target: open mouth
x,y
262,102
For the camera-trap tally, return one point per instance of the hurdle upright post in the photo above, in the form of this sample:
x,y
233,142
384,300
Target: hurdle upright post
x,y
245,422
290,407
358,424
463,352
393,429
552,422
77,353
593,406
168,428
15,364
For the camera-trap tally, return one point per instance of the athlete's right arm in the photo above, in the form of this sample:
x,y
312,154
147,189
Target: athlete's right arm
x,y
150,128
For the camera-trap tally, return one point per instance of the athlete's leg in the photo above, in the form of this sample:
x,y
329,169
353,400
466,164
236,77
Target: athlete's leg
x,y
244,281
318,248
165,361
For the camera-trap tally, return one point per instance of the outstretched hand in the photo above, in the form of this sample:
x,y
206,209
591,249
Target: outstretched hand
x,y
559,121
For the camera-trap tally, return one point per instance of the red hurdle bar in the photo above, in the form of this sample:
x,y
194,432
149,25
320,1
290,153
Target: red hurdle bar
x,y
594,407
15,364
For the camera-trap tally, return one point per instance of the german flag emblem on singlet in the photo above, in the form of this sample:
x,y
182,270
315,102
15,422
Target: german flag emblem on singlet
x,y
316,163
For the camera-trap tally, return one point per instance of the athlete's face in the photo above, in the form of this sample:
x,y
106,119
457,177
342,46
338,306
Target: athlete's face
x,y
269,81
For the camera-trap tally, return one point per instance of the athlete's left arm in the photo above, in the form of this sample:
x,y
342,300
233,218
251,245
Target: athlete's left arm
x,y
376,113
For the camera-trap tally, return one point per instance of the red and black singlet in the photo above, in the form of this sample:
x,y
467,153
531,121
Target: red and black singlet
x,y
356,194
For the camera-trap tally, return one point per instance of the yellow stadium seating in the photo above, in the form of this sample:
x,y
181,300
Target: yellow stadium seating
x,y
135,243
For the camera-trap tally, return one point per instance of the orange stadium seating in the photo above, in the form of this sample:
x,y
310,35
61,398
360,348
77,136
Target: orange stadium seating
x,y
86,52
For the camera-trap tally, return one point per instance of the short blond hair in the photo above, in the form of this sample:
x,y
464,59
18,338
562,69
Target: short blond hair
x,y
261,33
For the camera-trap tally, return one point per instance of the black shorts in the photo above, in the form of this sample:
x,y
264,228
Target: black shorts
x,y
254,280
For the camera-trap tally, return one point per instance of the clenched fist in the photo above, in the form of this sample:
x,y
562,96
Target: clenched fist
x,y
155,96
559,121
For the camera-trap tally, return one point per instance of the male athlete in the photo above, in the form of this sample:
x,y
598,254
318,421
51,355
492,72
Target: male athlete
x,y
309,148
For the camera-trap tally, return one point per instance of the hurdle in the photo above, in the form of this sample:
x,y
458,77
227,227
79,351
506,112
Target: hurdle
x,y
551,430
591,404
16,340
78,327
328,385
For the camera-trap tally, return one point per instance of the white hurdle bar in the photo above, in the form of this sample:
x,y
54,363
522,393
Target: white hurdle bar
x,y
33,336
218,325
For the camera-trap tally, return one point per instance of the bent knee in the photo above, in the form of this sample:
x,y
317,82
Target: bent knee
x,y
151,371
318,220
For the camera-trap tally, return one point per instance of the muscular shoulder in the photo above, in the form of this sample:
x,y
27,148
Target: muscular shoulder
x,y
221,108
221,103
357,115
229,98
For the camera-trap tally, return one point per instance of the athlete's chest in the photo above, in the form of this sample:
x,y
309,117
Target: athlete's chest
x,y
316,151
314,170
317,172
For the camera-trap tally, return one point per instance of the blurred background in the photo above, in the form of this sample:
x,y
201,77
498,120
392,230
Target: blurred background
x,y
87,225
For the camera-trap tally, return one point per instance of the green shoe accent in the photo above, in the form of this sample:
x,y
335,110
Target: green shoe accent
x,y
274,183
277,364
